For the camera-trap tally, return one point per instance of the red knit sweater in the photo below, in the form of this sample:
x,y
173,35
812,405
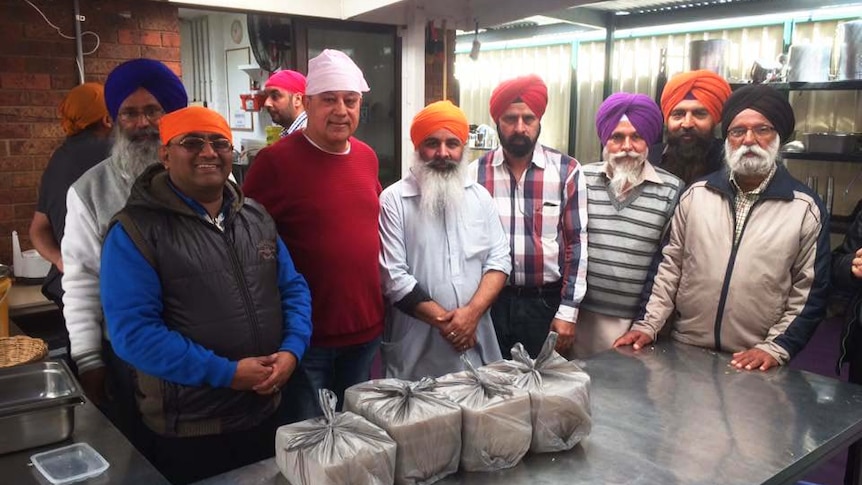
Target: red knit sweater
x,y
326,208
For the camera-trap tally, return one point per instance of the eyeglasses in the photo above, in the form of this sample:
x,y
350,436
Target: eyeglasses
x,y
152,113
760,132
194,144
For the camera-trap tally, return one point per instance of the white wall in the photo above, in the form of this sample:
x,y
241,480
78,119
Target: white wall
x,y
219,41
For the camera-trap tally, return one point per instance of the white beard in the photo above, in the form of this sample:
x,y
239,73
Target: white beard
x,y
441,191
625,172
134,156
761,164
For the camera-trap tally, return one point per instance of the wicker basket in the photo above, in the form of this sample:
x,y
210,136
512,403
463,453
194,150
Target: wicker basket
x,y
21,350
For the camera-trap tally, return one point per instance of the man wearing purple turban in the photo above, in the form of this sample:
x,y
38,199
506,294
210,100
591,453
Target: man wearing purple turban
x,y
629,206
137,94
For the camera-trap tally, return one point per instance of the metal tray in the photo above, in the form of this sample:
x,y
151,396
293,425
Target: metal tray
x,y
37,405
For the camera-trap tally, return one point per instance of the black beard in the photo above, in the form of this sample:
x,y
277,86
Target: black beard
x,y
518,145
687,160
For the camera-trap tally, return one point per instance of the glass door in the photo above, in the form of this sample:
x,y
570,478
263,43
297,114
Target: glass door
x,y
374,49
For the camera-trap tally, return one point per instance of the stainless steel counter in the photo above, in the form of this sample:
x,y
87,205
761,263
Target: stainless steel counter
x,y
127,466
675,414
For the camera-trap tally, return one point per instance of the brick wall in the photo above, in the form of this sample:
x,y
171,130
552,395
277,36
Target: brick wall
x,y
37,68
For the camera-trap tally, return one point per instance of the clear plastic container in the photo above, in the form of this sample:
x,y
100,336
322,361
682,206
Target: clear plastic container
x,y
69,463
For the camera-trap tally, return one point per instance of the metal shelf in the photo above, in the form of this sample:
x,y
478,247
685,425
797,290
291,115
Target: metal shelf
x,y
847,85
824,157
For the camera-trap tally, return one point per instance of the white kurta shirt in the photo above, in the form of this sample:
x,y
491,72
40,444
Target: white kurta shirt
x,y
447,256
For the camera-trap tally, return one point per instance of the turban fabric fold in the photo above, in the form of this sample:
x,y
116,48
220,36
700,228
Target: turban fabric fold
x,y
151,75
83,106
442,114
194,119
288,80
334,70
767,101
706,86
529,89
640,110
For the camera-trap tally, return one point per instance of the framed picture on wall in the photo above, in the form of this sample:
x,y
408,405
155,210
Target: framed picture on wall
x,y
238,83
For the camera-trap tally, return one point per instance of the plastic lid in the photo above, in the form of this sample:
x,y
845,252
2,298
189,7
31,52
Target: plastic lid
x,y
71,463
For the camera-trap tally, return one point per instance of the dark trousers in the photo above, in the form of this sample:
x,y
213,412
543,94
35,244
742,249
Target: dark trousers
x,y
853,470
186,460
524,314
335,368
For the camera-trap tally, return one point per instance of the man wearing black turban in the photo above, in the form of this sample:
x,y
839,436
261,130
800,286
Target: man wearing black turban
x,y
137,94
760,241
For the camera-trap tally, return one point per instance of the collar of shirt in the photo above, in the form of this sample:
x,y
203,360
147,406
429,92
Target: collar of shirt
x,y
315,145
298,123
538,159
760,188
648,174
411,184
200,210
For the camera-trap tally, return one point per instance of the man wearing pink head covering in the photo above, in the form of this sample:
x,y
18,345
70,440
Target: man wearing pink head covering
x,y
630,203
541,197
284,92
321,187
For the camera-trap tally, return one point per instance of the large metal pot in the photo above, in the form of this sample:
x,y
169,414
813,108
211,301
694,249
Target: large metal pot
x,y
809,63
708,54
849,38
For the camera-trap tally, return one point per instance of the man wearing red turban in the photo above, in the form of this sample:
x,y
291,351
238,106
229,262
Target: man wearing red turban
x,y
284,91
691,104
541,196
435,213
203,304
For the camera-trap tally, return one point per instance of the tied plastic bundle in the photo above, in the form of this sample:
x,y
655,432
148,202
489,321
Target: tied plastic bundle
x,y
425,425
495,418
335,449
559,395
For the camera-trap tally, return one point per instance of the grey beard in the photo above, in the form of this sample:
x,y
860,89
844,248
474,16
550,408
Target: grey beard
x,y
441,191
759,165
627,173
132,157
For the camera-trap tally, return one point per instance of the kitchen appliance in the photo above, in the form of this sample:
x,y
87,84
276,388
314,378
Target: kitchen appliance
x,y
809,63
849,45
37,405
834,142
708,54
28,264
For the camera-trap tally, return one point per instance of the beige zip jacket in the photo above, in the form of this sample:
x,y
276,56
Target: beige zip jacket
x,y
768,291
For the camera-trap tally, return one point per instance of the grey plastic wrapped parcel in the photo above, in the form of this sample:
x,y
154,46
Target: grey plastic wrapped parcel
x,y
424,423
559,395
336,449
495,418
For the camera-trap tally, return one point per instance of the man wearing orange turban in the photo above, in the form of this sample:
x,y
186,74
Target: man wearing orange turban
x,y
203,302
691,104
435,213
85,121
541,196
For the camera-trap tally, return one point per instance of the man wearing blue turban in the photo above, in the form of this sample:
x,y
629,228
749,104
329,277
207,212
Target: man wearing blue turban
x,y
629,206
137,94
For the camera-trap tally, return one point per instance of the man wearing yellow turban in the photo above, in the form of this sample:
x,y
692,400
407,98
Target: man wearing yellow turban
x,y
691,103
85,121
203,302
435,213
